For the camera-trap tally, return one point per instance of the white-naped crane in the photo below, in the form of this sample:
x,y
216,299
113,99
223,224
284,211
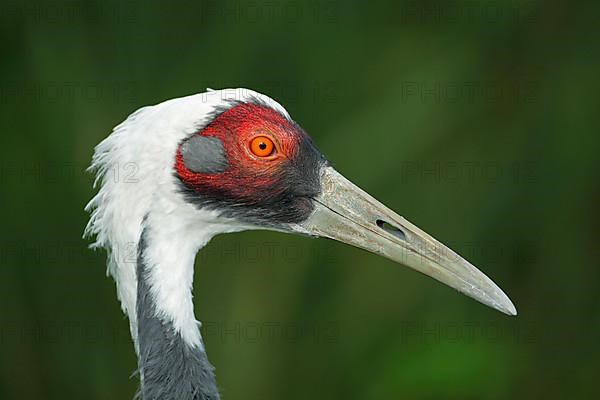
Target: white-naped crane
x,y
218,162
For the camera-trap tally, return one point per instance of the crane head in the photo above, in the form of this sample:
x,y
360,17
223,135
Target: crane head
x,y
231,160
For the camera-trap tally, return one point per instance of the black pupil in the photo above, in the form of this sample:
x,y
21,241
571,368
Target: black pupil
x,y
262,145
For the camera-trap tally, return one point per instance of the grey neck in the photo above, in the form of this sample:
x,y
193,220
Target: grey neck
x,y
170,369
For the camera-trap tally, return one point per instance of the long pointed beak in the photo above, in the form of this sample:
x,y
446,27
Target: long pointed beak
x,y
346,213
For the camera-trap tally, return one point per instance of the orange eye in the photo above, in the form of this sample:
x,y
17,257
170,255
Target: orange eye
x,y
262,146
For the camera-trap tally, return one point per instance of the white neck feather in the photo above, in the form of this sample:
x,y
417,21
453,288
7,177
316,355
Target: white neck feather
x,y
172,239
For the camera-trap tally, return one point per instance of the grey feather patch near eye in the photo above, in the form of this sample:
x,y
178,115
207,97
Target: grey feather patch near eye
x,y
204,154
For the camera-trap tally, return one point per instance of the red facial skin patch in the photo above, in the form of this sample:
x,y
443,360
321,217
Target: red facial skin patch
x,y
247,176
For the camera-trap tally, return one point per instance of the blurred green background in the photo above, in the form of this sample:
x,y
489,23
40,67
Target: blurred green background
x,y
473,121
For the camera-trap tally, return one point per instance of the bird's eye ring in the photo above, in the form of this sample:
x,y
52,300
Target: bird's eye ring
x,y
262,146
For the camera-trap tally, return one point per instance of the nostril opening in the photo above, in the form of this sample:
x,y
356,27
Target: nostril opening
x,y
389,228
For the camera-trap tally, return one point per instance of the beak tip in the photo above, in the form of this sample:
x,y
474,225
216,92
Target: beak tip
x,y
511,311
506,306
